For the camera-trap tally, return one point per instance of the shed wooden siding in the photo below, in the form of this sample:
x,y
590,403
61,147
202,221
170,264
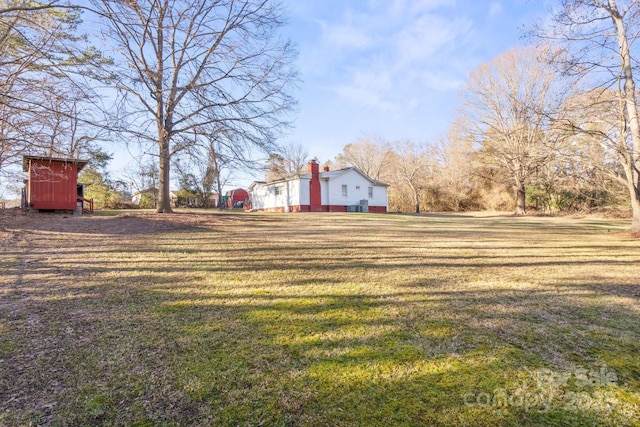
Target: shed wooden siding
x,y
52,185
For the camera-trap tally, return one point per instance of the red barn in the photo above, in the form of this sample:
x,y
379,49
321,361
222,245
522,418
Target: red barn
x,y
53,183
236,198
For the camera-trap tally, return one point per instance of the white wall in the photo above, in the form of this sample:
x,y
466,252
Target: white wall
x,y
380,196
303,188
296,192
263,196
357,189
294,189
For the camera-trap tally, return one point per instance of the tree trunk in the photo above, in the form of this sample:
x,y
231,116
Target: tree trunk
x,y
220,197
633,184
164,201
521,207
635,207
416,198
629,92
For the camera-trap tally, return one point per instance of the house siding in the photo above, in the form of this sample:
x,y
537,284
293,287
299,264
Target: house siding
x,y
295,194
281,196
332,194
304,191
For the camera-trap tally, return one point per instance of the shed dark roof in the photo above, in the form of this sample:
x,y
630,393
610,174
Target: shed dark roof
x,y
25,161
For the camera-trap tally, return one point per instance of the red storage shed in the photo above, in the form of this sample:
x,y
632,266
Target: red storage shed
x,y
52,182
236,198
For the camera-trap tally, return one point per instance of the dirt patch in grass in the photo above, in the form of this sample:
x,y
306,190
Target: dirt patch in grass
x,y
127,223
317,319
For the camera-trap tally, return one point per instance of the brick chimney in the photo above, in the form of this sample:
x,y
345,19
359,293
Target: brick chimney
x,y
313,167
315,202
326,169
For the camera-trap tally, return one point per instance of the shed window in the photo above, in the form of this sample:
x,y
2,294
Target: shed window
x,y
371,192
344,190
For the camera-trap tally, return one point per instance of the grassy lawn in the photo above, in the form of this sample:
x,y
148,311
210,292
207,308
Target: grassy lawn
x,y
319,320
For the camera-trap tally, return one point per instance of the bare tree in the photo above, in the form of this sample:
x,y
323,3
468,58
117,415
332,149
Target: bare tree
x,y
370,155
507,105
588,166
17,6
296,157
68,128
141,176
599,37
200,64
46,69
411,166
454,175
207,166
290,160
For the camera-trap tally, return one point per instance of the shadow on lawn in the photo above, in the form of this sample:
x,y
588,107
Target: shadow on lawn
x,y
408,357
405,358
153,343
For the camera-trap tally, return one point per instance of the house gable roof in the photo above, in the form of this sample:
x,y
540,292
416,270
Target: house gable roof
x,y
328,176
339,172
279,180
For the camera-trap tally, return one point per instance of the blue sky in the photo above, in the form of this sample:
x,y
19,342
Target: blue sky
x,y
392,69
389,69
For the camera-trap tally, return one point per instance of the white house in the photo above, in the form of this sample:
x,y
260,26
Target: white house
x,y
152,195
344,190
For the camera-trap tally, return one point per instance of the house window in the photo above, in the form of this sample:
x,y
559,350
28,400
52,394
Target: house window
x,y
278,190
357,187
371,192
344,190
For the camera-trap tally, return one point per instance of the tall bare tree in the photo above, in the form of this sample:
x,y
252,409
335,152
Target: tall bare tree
x,y
370,155
599,37
291,159
142,175
454,175
296,157
47,68
589,165
508,102
411,165
206,167
194,64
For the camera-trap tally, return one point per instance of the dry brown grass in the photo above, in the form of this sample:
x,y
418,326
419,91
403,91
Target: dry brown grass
x,y
316,319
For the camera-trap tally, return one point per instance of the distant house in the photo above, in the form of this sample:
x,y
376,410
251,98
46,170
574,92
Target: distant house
x,y
148,198
188,199
52,184
343,190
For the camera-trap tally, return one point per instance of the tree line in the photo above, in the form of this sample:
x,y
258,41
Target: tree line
x,y
202,85
552,126
206,82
